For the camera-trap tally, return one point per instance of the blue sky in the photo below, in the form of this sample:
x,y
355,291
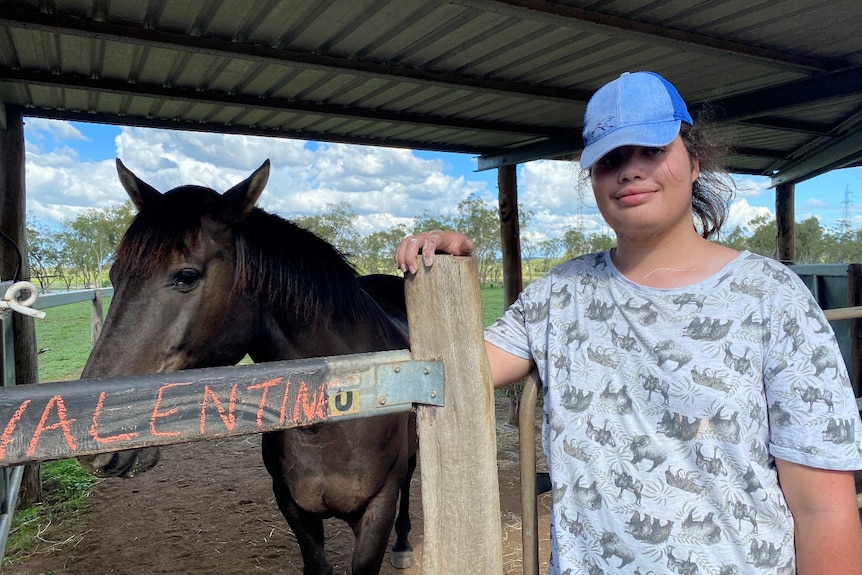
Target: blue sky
x,y
70,167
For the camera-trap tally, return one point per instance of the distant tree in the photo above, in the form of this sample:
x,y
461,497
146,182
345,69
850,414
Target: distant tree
x,y
576,242
427,221
762,239
43,254
481,222
376,250
335,224
809,242
601,242
553,249
530,248
477,220
736,239
90,240
843,245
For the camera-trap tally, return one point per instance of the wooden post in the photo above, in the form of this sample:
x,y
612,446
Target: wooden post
x,y
513,280
527,453
510,233
12,223
785,246
457,442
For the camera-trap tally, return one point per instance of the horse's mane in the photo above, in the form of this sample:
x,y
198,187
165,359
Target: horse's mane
x,y
296,273
283,263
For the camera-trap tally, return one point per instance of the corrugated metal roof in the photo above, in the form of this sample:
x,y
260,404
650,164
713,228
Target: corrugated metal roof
x,y
504,79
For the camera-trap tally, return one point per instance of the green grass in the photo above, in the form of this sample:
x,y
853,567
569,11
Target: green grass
x,y
492,304
63,339
57,520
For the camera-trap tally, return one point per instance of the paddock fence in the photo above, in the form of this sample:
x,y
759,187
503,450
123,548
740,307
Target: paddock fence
x,y
10,475
460,491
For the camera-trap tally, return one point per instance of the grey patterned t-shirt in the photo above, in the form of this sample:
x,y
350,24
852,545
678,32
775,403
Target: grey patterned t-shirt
x,y
665,408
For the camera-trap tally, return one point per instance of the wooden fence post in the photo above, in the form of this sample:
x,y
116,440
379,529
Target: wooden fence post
x,y
457,443
13,224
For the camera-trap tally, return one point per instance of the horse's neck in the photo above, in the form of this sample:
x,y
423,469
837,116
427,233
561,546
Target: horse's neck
x,y
281,338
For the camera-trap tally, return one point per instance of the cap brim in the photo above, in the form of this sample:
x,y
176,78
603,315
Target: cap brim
x,y
657,134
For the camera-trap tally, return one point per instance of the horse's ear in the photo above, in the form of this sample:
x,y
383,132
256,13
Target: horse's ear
x,y
240,199
141,193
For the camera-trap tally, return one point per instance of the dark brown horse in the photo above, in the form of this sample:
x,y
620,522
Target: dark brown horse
x,y
201,279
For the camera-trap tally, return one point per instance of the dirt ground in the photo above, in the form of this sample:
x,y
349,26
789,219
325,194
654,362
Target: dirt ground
x,y
208,508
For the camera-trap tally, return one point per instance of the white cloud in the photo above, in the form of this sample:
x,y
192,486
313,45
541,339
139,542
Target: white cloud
x,y
41,130
385,187
815,203
552,185
751,186
59,186
561,198
741,213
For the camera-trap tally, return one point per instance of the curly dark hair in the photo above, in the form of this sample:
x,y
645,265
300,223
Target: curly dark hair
x,y
714,189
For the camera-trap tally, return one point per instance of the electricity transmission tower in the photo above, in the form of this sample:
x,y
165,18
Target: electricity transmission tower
x,y
844,223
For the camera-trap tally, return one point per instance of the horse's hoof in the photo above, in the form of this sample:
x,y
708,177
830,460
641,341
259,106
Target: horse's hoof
x,y
401,559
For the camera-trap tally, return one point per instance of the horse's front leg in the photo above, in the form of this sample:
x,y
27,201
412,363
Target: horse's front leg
x,y
308,530
372,530
307,527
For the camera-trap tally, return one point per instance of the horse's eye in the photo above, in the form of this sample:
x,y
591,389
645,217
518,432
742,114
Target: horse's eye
x,y
186,278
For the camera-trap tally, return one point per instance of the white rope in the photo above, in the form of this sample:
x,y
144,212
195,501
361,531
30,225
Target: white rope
x,y
22,306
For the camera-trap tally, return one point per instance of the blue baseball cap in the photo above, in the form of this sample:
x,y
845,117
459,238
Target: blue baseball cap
x,y
636,109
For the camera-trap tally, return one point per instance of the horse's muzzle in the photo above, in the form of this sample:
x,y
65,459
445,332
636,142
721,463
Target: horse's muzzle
x,y
121,463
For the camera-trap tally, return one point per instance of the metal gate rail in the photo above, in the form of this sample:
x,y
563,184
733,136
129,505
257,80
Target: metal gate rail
x,y
10,477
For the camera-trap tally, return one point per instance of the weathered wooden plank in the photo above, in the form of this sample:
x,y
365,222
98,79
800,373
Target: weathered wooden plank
x,y
68,419
840,313
457,443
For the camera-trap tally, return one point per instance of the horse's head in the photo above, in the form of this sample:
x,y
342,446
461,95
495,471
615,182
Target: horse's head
x,y
175,304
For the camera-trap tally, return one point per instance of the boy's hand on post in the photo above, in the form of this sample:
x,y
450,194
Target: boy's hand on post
x,y
428,243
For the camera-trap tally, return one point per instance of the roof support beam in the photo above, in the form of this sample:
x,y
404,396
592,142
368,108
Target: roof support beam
x,y
610,25
273,104
784,125
751,105
18,17
836,155
742,107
